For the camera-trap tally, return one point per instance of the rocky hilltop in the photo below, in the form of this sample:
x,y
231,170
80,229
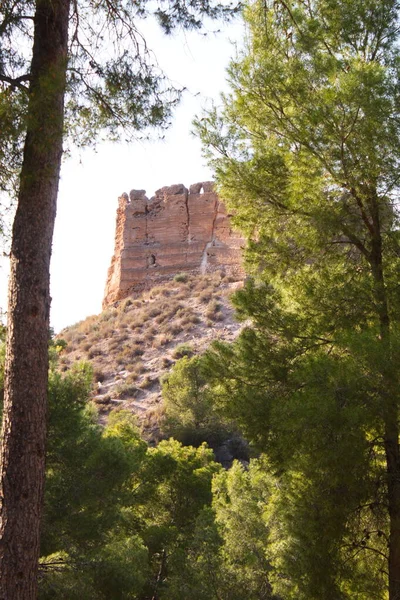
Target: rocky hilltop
x,y
133,345
177,230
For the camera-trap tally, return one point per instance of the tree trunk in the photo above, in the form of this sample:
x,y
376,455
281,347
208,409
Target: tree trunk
x,y
390,395
161,574
26,371
393,471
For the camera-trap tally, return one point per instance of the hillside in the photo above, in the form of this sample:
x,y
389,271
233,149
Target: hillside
x,y
132,345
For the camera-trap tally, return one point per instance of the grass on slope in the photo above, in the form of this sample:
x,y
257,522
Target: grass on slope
x,y
131,346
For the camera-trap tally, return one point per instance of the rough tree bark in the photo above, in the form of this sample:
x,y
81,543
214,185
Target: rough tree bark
x,y
390,404
24,422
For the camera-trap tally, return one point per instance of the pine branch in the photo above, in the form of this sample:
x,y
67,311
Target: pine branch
x,y
16,82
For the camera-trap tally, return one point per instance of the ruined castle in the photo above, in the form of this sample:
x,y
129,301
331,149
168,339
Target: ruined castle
x,y
177,230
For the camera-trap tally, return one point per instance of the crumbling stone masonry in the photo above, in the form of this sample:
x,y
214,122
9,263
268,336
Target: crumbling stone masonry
x,y
178,230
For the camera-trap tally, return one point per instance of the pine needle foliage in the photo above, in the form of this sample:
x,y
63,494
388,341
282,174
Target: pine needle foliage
x,y
306,151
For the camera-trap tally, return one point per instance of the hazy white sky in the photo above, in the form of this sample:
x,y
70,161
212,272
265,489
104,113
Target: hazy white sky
x,y
92,182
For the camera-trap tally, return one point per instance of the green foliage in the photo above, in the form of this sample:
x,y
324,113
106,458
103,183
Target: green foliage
x,y
181,277
119,517
2,359
13,105
305,142
173,489
87,484
316,410
227,558
202,577
190,416
241,503
123,568
183,350
306,152
124,521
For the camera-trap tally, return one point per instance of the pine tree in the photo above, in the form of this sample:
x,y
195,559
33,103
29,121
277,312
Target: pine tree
x,y
306,152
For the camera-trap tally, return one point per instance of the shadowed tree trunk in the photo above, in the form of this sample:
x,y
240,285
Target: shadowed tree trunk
x,y
390,401
24,422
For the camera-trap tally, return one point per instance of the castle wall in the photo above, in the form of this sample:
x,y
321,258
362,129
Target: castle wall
x,y
177,230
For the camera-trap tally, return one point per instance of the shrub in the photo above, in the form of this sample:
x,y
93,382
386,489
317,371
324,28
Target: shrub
x,y
135,369
153,312
125,305
181,296
99,375
132,377
165,292
213,309
103,400
156,291
95,352
187,322
126,390
149,334
136,349
219,316
151,421
174,328
161,340
96,336
107,315
147,382
181,277
183,350
166,362
188,403
106,329
113,345
195,319
205,296
122,337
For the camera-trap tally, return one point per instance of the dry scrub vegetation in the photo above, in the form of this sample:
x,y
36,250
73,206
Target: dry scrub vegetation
x,y
132,345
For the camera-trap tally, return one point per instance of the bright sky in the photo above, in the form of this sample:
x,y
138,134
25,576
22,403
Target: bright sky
x,y
92,182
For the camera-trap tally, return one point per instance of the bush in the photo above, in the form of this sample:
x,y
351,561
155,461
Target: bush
x,y
125,305
181,277
126,390
183,350
98,376
189,413
137,349
174,328
147,382
161,340
205,296
214,311
95,352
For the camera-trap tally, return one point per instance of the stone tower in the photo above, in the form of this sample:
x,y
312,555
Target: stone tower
x,y
177,230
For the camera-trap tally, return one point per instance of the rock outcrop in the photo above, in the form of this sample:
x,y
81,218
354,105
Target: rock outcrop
x,y
178,230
